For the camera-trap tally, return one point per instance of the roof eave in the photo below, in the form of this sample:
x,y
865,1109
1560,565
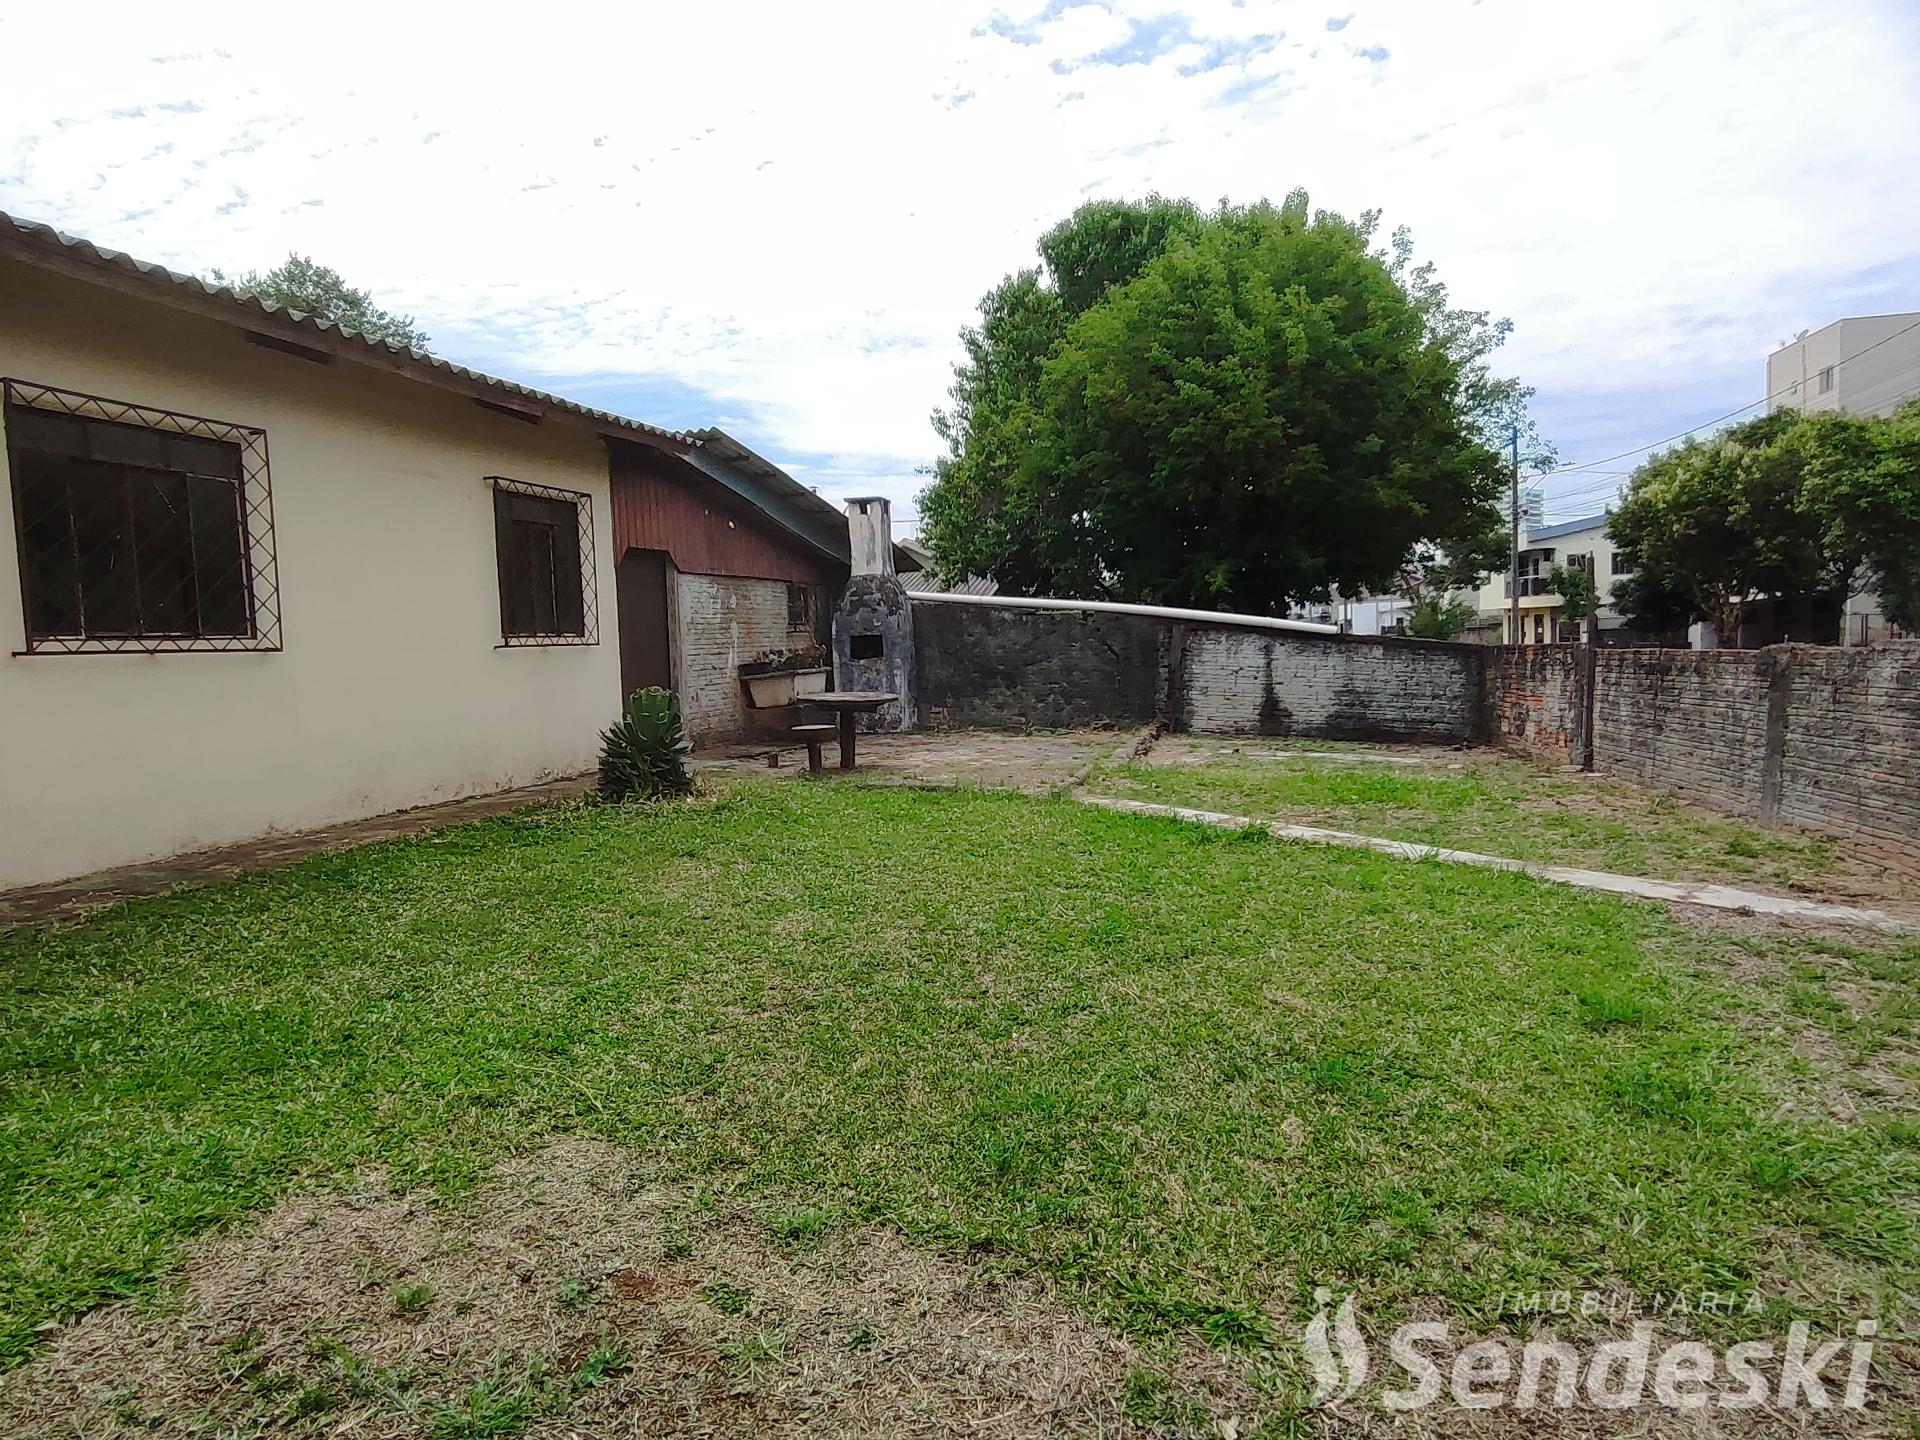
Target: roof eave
x,y
48,249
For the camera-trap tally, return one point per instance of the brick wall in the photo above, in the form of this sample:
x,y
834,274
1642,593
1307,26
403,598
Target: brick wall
x,y
1807,735
1234,681
995,667
1690,721
1533,699
720,623
989,666
1823,738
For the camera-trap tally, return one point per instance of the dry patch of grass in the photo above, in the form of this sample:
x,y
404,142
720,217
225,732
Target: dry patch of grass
x,y
573,1293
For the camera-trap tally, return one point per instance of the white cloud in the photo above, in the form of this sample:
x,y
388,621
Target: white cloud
x,y
794,208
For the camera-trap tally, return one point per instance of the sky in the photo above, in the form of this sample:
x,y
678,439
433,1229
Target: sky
x,y
776,217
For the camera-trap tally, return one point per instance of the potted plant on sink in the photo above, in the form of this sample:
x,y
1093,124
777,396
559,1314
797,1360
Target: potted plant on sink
x,y
775,677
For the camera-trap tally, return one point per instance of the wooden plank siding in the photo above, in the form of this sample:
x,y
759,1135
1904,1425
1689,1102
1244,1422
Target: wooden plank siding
x,y
659,503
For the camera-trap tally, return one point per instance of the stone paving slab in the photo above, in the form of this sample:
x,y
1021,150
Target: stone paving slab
x,y
68,899
1715,897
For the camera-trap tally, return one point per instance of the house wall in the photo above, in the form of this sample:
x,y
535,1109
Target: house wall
x,y
392,689
659,503
721,622
1875,366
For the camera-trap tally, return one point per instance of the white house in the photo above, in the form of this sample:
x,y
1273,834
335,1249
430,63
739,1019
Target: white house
x,y
267,575
1542,617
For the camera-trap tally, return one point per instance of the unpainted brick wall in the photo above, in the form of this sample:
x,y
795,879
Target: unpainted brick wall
x,y
1690,721
1824,738
1534,700
1851,765
720,623
1268,682
992,666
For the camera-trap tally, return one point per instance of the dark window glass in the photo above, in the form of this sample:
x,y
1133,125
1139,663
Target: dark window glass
x,y
537,547
126,531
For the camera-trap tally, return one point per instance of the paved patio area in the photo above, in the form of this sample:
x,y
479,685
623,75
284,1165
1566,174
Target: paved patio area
x,y
1038,764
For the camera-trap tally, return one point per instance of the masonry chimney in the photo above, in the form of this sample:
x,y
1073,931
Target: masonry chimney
x,y
870,528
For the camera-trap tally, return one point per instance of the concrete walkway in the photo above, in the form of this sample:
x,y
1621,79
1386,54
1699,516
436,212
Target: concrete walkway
x,y
69,899
1715,897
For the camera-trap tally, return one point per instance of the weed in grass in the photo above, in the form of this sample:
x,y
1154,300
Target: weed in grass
x,y
605,1361
749,1356
1153,1401
860,1336
497,1406
726,1298
1600,1009
802,1226
412,1299
576,1294
312,1400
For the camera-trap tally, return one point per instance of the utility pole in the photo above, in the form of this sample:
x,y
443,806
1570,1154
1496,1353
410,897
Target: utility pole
x,y
1513,559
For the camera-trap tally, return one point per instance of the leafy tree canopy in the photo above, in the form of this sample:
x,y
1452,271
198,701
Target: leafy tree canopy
x,y
1240,409
1435,617
1792,507
300,283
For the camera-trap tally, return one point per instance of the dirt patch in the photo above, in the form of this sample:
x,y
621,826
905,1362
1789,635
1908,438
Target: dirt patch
x,y
571,1295
574,1295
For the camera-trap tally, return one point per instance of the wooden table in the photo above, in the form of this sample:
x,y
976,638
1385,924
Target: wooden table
x,y
848,703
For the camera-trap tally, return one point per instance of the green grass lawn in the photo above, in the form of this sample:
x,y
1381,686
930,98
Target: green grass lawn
x,y
1501,806
1192,1074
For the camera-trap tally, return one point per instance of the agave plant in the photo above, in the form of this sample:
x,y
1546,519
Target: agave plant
x,y
645,753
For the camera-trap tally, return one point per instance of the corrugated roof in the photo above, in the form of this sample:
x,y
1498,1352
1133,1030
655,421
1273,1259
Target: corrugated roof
x,y
822,521
31,239
1566,527
921,581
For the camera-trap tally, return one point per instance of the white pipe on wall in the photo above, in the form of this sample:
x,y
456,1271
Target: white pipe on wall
x,y
1114,607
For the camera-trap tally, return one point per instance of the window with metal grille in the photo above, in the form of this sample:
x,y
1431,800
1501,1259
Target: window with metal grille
x,y
543,548
138,529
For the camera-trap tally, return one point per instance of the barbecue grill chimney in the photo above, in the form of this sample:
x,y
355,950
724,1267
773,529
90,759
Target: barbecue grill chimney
x,y
873,624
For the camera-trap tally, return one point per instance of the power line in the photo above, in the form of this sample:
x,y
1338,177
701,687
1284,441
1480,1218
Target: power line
x,y
1709,424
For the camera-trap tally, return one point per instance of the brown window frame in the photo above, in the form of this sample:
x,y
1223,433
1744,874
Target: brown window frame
x,y
520,615
144,479
802,607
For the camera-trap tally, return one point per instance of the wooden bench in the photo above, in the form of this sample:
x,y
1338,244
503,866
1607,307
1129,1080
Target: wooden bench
x,y
814,737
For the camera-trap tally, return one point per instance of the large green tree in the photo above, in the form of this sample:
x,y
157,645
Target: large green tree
x,y
1863,484
300,283
1791,508
1239,409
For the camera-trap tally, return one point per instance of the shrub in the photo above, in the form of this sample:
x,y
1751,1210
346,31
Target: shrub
x,y
644,754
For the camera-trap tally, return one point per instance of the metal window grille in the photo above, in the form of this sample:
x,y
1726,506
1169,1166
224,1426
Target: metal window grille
x,y
543,548
139,529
